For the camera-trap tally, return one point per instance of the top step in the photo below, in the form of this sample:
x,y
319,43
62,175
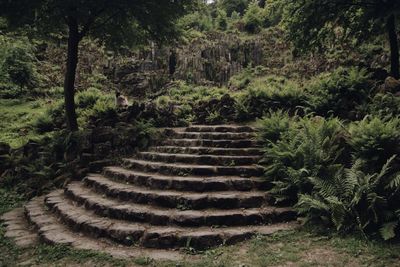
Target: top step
x,y
220,128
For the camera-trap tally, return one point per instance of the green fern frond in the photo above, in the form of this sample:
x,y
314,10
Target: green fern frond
x,y
388,230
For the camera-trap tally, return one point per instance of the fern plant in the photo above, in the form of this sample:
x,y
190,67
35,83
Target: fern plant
x,y
375,140
354,199
311,147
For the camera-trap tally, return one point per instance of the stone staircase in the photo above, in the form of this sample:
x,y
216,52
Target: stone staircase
x,y
200,188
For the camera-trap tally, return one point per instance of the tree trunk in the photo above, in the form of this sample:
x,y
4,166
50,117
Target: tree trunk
x,y
394,47
69,82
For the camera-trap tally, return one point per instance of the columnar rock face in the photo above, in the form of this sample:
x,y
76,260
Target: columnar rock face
x,y
199,188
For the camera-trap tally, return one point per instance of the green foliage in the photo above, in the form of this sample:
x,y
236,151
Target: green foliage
x,y
270,92
231,6
375,140
253,18
183,93
273,126
18,72
314,23
17,118
221,20
242,80
199,20
354,199
383,105
337,93
308,149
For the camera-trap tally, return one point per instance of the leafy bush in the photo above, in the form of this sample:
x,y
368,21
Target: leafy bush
x,y
273,126
384,105
354,199
221,20
311,147
337,93
375,140
44,124
53,118
17,66
253,18
88,98
267,93
242,80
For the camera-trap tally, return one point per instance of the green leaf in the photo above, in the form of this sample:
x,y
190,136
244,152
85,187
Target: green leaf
x,y
388,230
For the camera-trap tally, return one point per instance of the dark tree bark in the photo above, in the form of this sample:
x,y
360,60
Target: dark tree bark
x,y
394,47
69,82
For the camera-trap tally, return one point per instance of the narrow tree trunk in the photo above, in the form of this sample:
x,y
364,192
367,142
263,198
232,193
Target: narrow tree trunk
x,y
394,47
69,82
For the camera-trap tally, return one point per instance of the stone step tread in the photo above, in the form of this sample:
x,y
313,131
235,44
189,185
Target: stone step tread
x,y
185,183
199,156
214,135
198,159
182,178
147,235
210,150
221,128
18,229
173,199
163,216
209,143
51,231
113,185
251,141
192,166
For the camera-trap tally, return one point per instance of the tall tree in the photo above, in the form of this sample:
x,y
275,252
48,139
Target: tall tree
x,y
114,21
311,22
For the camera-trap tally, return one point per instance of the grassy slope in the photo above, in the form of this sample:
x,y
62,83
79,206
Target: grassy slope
x,y
16,117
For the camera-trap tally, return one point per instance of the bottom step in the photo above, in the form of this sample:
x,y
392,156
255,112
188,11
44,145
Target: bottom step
x,y
52,231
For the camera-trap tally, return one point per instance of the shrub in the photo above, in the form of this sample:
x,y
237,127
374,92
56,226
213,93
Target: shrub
x,y
17,65
88,98
375,140
53,118
309,148
354,199
104,108
253,18
268,93
44,124
337,93
221,20
273,126
242,80
384,105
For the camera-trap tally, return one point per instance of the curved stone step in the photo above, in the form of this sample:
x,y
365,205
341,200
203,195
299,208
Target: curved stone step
x,y
208,150
220,128
188,183
181,169
52,232
18,229
246,143
127,233
213,135
199,159
174,199
109,207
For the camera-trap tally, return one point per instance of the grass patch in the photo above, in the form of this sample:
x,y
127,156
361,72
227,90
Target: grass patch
x,y
16,118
